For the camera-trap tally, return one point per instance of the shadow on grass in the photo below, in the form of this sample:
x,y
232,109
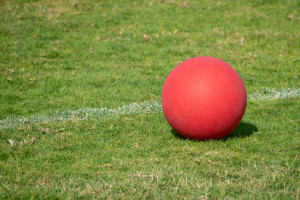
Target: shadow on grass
x,y
243,130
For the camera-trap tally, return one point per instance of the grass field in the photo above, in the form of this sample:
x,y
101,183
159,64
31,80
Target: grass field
x,y
110,59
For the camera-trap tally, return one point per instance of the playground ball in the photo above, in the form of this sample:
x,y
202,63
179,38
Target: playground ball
x,y
204,98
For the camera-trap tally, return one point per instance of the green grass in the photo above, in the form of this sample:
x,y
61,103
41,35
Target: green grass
x,y
61,55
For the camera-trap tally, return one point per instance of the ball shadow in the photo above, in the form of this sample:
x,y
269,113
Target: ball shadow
x,y
243,130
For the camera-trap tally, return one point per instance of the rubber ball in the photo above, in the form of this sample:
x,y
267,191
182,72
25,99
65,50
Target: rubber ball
x,y
204,98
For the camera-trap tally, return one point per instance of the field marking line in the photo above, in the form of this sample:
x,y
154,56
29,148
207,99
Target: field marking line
x,y
273,94
131,109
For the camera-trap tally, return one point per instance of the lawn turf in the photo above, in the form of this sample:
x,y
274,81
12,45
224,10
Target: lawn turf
x,y
61,55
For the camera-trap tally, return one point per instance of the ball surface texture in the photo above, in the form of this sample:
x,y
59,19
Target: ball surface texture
x,y
204,98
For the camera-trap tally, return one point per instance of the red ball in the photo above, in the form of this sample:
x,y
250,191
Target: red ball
x,y
204,98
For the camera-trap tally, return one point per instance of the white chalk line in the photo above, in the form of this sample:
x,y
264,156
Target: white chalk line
x,y
273,94
131,109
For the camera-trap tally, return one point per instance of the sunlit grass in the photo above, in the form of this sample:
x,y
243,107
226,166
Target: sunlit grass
x,y
57,56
